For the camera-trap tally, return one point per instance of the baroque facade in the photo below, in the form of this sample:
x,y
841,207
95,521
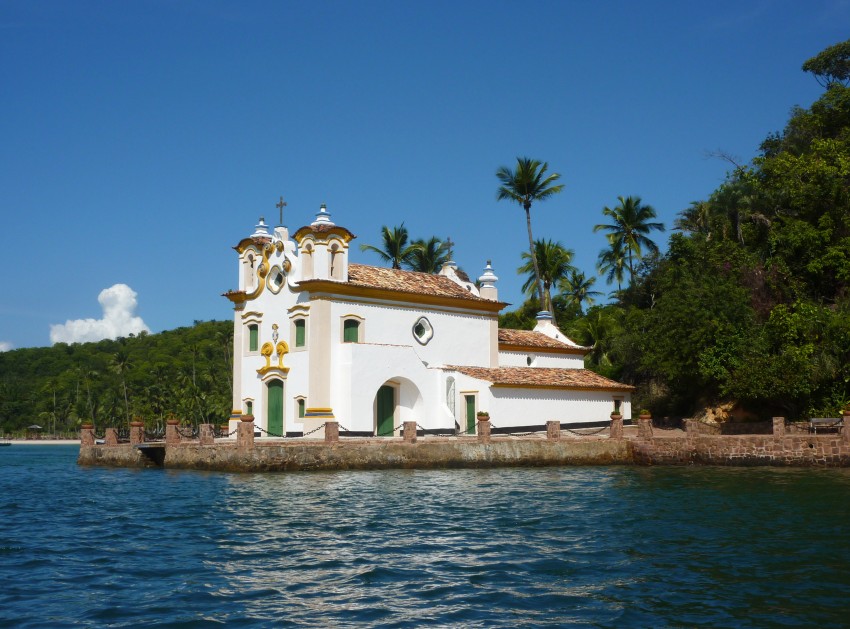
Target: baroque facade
x,y
318,338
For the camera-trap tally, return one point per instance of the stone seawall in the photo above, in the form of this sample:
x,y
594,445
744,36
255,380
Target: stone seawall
x,y
741,450
786,446
367,454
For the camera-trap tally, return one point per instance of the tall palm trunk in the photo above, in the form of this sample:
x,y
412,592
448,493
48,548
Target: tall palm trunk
x,y
540,294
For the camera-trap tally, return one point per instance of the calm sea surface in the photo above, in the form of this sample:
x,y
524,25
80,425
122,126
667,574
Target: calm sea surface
x,y
599,547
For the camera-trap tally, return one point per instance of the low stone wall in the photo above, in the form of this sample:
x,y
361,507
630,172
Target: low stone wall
x,y
784,447
744,450
373,454
398,454
728,428
121,455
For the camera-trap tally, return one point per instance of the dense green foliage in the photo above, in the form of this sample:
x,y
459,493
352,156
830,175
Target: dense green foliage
x,y
750,304
184,372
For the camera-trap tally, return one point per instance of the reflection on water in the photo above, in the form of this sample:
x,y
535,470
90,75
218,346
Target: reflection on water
x,y
602,547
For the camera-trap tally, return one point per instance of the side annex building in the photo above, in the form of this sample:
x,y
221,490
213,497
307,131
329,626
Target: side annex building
x,y
319,338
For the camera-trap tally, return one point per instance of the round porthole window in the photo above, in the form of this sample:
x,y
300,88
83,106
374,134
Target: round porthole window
x,y
423,331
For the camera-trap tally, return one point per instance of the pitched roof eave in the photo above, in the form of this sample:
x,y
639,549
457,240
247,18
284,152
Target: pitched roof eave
x,y
354,290
542,378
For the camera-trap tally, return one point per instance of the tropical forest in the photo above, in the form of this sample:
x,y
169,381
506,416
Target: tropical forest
x,y
742,303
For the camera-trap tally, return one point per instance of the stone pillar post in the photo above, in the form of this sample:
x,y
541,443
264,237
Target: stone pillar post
x,y
645,427
172,432
616,426
779,427
484,430
111,437
553,430
845,427
331,432
87,435
206,435
409,432
245,432
137,433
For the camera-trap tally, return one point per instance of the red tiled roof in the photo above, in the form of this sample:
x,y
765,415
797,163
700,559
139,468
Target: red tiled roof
x,y
535,340
259,241
547,377
407,282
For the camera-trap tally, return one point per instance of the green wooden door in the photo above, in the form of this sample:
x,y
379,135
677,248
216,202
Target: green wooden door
x,y
470,414
274,414
385,403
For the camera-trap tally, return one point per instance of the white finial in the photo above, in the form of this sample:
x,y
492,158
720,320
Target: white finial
x,y
488,281
323,217
488,278
261,230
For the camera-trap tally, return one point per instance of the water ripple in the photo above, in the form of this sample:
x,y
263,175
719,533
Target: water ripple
x,y
596,547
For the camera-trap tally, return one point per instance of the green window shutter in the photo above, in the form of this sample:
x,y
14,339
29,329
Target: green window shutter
x,y
300,333
249,408
253,338
301,408
351,331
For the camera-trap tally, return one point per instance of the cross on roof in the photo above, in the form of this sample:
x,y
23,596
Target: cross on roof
x,y
449,245
280,205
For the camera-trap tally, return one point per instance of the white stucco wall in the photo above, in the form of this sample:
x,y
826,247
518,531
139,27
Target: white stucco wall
x,y
459,339
360,369
540,359
517,407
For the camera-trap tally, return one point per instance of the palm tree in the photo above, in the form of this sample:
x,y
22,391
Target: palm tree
x,y
395,249
596,331
612,262
428,256
629,228
551,264
525,185
577,288
697,219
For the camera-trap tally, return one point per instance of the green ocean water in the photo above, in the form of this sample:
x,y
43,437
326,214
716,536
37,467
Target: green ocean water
x,y
534,547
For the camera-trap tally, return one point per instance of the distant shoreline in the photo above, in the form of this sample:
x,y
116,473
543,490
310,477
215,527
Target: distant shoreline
x,y
42,442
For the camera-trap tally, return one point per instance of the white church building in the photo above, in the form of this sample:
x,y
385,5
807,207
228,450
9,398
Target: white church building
x,y
318,338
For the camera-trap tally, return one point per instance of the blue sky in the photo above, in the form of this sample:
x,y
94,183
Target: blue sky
x,y
141,140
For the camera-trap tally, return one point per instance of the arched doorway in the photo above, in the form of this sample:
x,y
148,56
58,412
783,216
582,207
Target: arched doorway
x,y
274,406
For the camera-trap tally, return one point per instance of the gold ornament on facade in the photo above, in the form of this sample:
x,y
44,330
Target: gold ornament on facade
x,y
267,350
263,268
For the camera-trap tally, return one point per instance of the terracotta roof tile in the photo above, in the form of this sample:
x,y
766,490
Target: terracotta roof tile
x,y
407,282
549,377
534,340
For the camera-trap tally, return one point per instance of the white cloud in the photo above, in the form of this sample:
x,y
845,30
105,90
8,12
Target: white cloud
x,y
5,346
119,304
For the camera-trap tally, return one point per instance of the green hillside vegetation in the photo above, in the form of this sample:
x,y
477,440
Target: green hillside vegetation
x,y
750,304
185,372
